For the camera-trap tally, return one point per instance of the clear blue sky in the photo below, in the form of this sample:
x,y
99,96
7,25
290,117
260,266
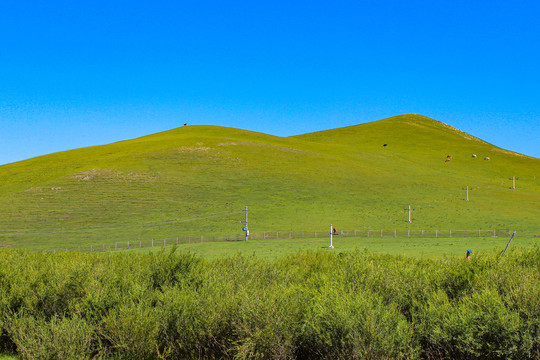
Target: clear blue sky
x,y
82,73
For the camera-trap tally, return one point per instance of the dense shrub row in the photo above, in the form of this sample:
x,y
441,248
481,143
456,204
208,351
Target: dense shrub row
x,y
307,306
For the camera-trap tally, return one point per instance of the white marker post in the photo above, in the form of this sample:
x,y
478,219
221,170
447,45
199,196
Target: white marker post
x,y
331,232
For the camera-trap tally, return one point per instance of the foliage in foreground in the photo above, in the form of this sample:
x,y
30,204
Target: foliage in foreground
x,y
311,305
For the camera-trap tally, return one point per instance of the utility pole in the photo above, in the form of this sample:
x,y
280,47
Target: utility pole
x,y
409,213
514,182
467,192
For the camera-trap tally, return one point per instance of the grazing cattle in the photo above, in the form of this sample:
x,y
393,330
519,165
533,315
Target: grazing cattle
x,y
473,155
487,158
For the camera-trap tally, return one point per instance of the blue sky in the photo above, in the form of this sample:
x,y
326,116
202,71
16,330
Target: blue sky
x,y
76,74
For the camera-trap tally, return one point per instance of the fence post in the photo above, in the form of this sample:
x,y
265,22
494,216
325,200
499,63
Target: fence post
x,y
422,233
201,238
140,244
115,246
164,241
315,234
450,233
494,234
277,235
289,234
381,232
128,244
103,247
408,233
368,233
91,249
436,235
395,233
177,240
152,242
302,233
478,232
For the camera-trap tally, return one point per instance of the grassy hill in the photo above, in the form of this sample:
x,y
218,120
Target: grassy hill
x,y
197,180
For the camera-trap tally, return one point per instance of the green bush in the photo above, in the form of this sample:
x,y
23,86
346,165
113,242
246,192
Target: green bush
x,y
309,305
57,338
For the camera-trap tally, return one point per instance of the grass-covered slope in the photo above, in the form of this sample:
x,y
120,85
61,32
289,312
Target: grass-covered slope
x,y
197,180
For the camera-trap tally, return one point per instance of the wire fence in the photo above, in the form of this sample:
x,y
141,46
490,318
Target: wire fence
x,y
276,235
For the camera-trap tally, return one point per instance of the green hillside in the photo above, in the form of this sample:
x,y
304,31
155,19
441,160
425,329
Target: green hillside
x,y
197,180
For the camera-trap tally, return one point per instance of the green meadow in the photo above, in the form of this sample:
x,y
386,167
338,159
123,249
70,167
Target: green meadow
x,y
197,180
272,249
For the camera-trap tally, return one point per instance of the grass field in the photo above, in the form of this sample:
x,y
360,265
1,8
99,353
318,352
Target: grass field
x,y
198,179
410,247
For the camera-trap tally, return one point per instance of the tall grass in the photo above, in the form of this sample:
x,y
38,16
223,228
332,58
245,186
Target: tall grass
x,y
308,305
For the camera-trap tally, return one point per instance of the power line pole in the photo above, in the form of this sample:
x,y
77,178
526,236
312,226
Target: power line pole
x,y
467,192
409,213
514,182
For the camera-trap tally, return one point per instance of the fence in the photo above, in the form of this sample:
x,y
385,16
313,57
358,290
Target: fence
x,y
269,235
